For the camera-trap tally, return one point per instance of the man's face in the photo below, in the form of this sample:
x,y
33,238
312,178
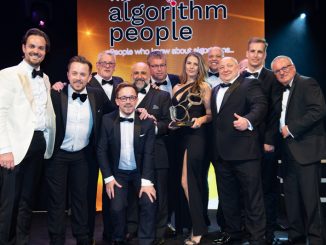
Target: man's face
x,y
126,100
213,58
78,76
228,69
106,66
256,55
158,68
140,75
34,50
283,70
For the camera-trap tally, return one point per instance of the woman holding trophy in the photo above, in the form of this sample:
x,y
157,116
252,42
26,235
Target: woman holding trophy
x,y
190,111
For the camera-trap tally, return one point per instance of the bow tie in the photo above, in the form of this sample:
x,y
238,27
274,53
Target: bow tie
x,y
287,87
107,82
82,97
213,74
162,83
142,91
125,119
225,85
36,73
248,74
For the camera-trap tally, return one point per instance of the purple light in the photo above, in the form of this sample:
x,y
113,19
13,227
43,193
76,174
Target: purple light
x,y
42,23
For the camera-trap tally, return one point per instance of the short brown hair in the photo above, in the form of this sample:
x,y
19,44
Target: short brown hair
x,y
82,60
125,85
37,32
258,40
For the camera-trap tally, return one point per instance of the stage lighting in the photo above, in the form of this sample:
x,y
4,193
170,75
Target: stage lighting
x,y
303,16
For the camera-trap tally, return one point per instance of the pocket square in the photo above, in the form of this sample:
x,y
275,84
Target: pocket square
x,y
155,107
142,135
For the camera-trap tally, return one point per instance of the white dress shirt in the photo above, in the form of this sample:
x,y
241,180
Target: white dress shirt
x,y
108,88
141,96
79,123
213,81
285,99
167,87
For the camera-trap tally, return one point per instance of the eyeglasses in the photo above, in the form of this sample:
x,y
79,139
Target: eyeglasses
x,y
132,98
284,69
104,64
158,66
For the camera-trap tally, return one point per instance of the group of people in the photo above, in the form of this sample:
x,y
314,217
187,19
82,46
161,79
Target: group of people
x,y
153,139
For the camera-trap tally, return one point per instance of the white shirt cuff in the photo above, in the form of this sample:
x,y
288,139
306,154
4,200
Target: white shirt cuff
x,y
108,179
290,132
5,150
156,130
250,127
146,182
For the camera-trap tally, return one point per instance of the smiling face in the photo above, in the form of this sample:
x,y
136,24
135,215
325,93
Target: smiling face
x,y
78,75
256,55
34,50
126,100
140,74
105,66
192,67
157,68
228,69
284,70
214,57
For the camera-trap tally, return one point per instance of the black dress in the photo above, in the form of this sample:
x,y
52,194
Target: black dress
x,y
192,141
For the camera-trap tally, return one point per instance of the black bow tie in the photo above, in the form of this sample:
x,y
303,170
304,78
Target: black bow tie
x,y
107,82
36,73
142,91
162,83
248,74
125,119
287,87
213,74
82,97
225,85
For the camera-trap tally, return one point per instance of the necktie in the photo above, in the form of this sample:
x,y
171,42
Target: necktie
x,y
248,74
213,74
36,73
225,85
162,83
107,82
82,97
125,119
142,91
287,87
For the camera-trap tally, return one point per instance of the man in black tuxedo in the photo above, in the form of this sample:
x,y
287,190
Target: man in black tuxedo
x,y
301,109
78,112
256,55
214,56
126,157
238,107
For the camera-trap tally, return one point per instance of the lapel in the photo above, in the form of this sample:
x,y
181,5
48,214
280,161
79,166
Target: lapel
x,y
137,130
231,89
92,102
291,92
116,134
26,88
64,106
213,102
146,102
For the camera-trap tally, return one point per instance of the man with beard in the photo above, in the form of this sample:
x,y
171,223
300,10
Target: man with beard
x,y
27,129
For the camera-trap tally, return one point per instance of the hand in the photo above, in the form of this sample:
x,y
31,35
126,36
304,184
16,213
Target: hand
x,y
197,122
143,113
150,192
285,131
241,123
269,148
58,86
154,86
7,160
110,188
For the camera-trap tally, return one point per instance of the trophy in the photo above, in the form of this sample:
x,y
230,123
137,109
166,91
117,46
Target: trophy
x,y
184,120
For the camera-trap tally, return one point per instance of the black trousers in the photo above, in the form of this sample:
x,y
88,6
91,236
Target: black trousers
x,y
118,209
241,181
17,194
67,169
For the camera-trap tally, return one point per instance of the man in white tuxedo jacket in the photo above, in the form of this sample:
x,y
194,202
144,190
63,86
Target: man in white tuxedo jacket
x,y
27,128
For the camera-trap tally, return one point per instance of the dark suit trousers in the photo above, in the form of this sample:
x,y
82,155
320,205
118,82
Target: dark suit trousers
x,y
302,201
119,204
67,169
241,181
17,194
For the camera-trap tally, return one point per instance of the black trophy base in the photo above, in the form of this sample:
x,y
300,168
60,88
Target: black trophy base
x,y
182,124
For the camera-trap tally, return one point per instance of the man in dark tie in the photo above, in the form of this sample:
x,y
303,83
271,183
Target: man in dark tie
x,y
301,110
78,110
27,129
238,107
126,157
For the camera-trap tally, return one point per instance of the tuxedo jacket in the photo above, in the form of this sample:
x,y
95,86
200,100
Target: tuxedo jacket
x,y
99,103
109,145
174,79
97,84
157,103
304,116
17,119
246,98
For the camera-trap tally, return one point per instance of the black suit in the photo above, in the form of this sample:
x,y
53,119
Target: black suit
x,y
174,79
237,156
71,167
109,156
301,157
94,171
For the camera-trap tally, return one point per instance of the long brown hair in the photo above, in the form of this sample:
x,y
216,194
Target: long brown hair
x,y
202,73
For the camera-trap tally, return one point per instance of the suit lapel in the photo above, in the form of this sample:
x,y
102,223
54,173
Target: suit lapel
x,y
213,102
146,102
137,130
64,106
26,88
92,102
117,134
231,89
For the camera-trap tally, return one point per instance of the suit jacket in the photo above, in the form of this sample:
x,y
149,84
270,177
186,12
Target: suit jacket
x,y
17,119
109,145
174,79
244,97
97,84
99,104
305,112
157,103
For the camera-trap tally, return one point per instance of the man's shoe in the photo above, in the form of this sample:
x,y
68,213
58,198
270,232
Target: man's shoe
x,y
159,241
222,238
170,231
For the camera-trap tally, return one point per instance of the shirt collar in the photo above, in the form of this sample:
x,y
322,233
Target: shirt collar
x,y
132,115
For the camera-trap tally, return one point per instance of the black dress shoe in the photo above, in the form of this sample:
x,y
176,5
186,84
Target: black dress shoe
x,y
170,231
222,238
159,241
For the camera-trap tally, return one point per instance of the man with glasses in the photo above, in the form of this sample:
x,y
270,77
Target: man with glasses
x,y
301,110
126,156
